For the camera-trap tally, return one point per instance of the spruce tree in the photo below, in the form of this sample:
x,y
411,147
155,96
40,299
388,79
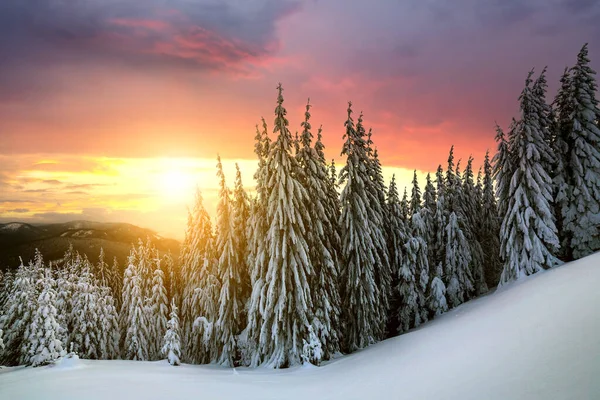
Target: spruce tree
x,y
102,271
503,171
108,322
257,261
396,238
458,257
171,342
581,212
195,257
490,226
241,220
158,314
229,269
364,313
427,213
546,124
437,243
43,345
383,275
116,282
414,271
135,326
565,106
5,286
288,305
203,346
171,277
16,315
528,233
405,207
85,332
471,205
66,281
436,301
415,200
420,262
19,310
322,238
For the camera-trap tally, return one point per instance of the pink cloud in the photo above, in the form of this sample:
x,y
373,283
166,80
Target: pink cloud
x,y
155,25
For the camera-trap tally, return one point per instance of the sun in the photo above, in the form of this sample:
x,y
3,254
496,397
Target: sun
x,y
175,183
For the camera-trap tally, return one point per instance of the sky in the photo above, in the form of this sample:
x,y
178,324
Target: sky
x,y
115,110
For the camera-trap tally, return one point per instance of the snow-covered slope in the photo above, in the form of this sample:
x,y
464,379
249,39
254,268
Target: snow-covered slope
x,y
537,339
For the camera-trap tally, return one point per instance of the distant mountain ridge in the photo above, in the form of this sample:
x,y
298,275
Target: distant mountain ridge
x,y
87,237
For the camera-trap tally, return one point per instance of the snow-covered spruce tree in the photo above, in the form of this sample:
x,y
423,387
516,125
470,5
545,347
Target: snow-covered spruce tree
x,y
396,238
86,326
203,347
490,226
17,313
1,341
581,212
195,250
229,269
257,261
116,282
457,248
437,243
451,184
241,220
436,300
126,292
134,324
102,271
332,204
546,123
288,306
413,279
171,280
7,282
503,170
108,321
458,258
565,106
321,236
421,263
528,236
312,350
472,221
415,199
362,308
171,342
405,207
428,212
43,345
148,261
383,274
66,280
157,320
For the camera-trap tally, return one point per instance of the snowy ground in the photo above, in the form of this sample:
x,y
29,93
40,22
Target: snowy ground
x,y
538,339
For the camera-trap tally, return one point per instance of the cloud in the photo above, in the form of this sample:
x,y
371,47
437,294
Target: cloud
x,y
18,210
52,181
84,185
198,34
36,190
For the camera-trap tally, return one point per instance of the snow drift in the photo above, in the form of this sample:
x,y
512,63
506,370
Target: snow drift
x,y
535,339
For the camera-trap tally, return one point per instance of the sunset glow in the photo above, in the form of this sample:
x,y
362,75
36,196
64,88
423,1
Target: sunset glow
x,y
122,117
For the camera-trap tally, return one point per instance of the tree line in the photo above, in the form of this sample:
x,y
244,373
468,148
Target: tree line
x,y
320,263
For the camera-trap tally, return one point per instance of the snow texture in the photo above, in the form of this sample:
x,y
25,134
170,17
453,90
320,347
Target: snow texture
x,y
521,343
